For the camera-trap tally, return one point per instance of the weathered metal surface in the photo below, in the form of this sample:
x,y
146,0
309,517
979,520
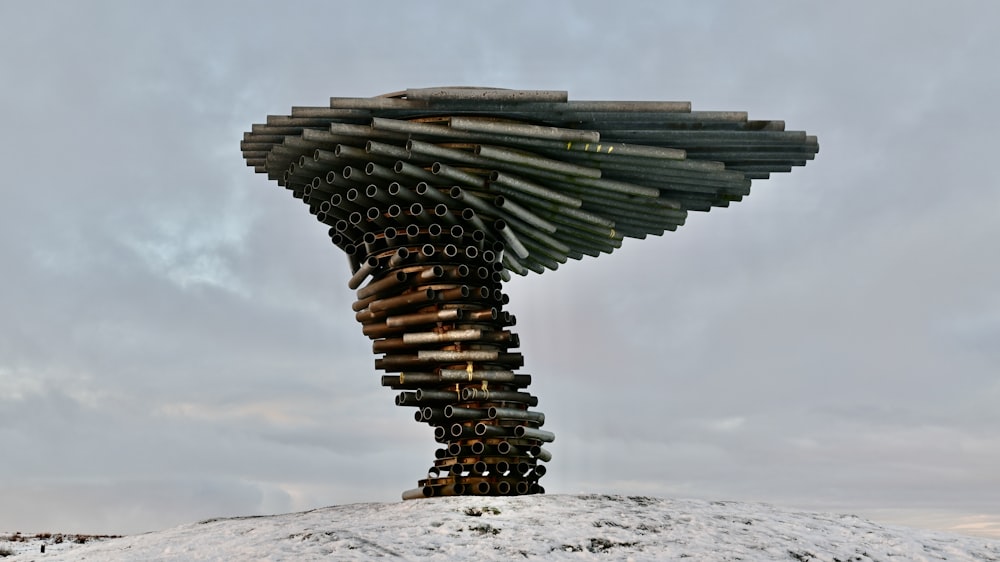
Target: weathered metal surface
x,y
437,195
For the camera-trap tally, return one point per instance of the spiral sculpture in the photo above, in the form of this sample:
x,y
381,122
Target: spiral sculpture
x,y
437,195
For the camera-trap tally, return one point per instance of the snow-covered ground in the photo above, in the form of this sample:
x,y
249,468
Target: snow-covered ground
x,y
551,527
17,543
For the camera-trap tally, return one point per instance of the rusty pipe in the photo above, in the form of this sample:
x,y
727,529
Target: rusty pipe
x,y
419,318
399,257
385,283
366,269
470,355
457,293
456,489
431,272
402,301
418,493
438,337
361,304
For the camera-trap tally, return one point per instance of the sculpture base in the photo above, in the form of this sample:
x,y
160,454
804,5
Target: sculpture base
x,y
434,308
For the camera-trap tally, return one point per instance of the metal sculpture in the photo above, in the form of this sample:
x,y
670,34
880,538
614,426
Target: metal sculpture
x,y
438,194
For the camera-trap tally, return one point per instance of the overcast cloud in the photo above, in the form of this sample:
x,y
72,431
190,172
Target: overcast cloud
x,y
176,339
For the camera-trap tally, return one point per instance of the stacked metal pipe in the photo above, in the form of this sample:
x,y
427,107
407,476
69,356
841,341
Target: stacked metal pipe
x,y
438,194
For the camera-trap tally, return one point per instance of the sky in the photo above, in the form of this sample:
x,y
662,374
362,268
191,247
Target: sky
x,y
176,338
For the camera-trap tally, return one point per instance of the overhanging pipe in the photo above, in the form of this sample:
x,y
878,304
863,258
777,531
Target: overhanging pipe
x,y
485,95
517,184
534,433
522,130
454,174
512,240
536,162
515,414
523,214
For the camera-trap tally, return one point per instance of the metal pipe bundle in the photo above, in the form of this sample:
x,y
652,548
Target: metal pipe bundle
x,y
437,195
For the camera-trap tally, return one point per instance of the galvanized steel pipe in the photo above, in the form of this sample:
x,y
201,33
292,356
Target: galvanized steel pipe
x,y
438,195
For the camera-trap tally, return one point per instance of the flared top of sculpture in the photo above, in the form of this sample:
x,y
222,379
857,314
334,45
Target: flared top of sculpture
x,y
545,177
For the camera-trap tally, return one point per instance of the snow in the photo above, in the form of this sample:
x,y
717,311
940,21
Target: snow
x,y
552,527
17,543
